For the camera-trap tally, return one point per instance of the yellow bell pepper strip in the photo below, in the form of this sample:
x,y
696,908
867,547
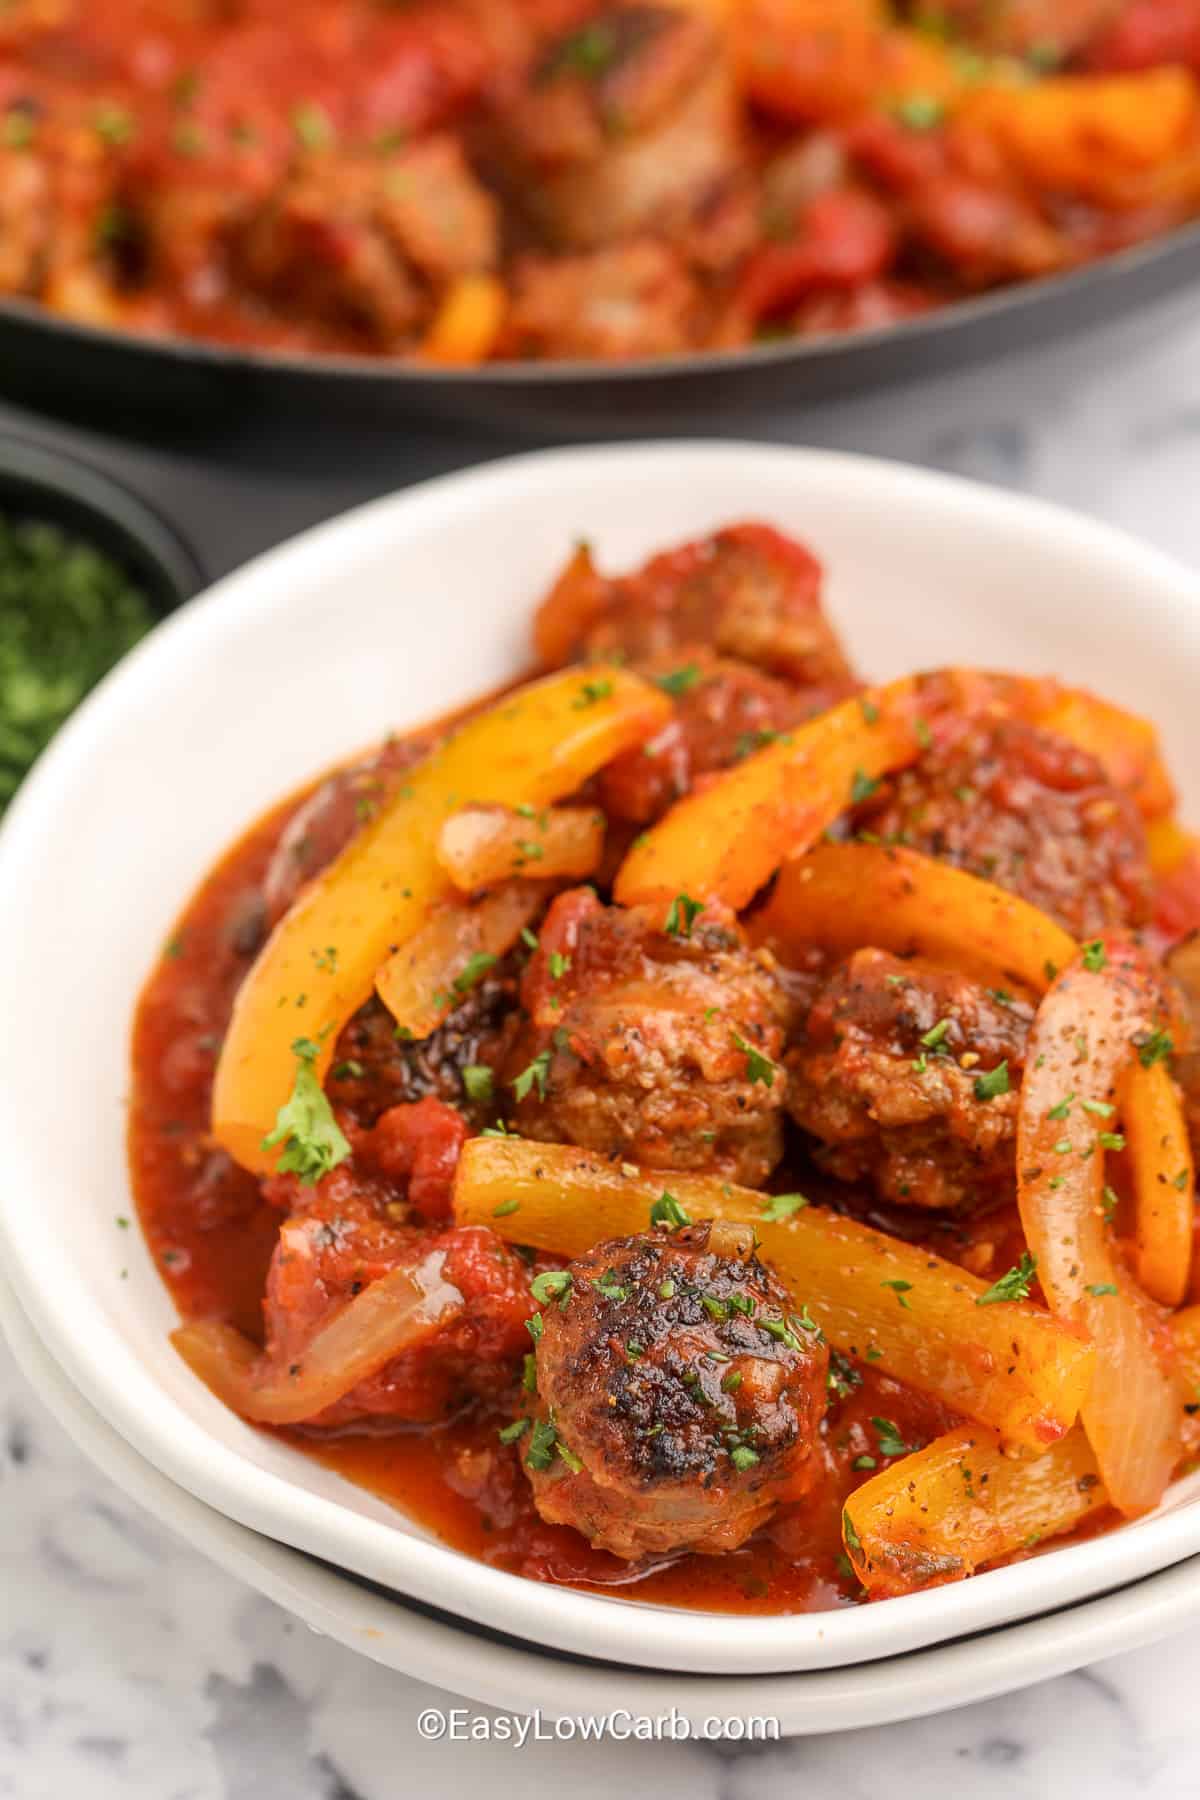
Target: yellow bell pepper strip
x,y
936,1515
912,1314
535,746
452,952
962,1501
843,897
1084,1039
725,842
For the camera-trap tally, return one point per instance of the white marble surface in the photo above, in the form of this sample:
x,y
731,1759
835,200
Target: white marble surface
x,y
131,1670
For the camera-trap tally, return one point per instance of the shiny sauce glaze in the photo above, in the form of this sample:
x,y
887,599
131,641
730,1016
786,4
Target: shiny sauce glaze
x,y
211,1234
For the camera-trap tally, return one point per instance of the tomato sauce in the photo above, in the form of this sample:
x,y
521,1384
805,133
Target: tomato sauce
x,y
212,1234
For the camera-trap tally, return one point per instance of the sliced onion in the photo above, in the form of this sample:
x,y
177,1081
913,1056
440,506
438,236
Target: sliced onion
x,y
1083,1040
394,1314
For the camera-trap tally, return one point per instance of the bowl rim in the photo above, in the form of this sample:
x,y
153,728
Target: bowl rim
x,y
101,1363
457,1654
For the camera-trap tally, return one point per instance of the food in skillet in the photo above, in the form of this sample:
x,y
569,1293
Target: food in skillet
x,y
461,180
697,1120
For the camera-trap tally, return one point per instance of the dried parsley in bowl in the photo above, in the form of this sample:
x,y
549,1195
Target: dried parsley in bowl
x,y
68,612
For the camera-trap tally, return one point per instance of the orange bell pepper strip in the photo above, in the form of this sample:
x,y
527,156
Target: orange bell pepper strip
x,y
533,747
842,897
467,325
726,841
1164,1181
1083,1041
914,1315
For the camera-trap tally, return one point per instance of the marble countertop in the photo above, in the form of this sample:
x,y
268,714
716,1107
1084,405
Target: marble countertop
x,y
131,1669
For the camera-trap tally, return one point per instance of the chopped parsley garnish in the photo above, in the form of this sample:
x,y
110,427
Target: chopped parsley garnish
x,y
1094,956
478,1081
666,1290
849,1534
742,1457
550,1285
113,124
608,1287
1157,1047
862,787
591,692
312,126
901,1288
732,1382
540,1453
782,1206
506,1209
714,1307
533,1326
313,1141
993,1084
529,938
1062,1110
667,1211
682,915
870,711
508,1434
920,112
923,734
1100,1108
534,1072
1111,1140
1099,1288
529,1367
1014,1285
68,612
559,964
935,1037
890,1441
679,681
474,972
350,1070
758,1066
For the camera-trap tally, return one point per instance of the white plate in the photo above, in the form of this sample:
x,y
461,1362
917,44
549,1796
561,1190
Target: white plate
x,y
503,1675
388,615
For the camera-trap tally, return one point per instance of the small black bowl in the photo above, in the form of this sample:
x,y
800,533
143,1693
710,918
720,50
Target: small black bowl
x,y
57,489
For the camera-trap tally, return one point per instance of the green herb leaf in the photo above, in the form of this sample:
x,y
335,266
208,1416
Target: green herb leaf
x,y
550,1284
667,1211
782,1206
993,1084
679,681
478,1081
1014,1285
682,915
313,1141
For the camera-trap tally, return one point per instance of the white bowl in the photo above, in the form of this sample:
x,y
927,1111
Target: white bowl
x,y
504,1674
389,615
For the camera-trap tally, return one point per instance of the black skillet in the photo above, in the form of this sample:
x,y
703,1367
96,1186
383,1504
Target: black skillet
x,y
124,382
